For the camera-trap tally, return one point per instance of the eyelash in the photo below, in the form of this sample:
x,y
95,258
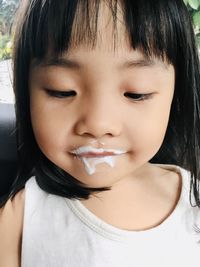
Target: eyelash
x,y
138,97
66,94
60,94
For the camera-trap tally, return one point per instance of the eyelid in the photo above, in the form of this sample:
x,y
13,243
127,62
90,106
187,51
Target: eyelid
x,y
60,94
138,96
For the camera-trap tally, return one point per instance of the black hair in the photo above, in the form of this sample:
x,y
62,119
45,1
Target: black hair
x,y
156,27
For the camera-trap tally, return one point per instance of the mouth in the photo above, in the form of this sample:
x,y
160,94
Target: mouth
x,y
90,152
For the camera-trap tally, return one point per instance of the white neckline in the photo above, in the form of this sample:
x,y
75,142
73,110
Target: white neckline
x,y
114,233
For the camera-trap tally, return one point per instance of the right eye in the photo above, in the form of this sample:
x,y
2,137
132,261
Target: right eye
x,y
60,94
138,97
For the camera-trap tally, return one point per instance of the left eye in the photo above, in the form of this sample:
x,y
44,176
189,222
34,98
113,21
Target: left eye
x,y
138,97
60,94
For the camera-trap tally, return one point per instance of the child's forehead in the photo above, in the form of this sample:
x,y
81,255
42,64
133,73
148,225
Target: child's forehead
x,y
103,28
120,58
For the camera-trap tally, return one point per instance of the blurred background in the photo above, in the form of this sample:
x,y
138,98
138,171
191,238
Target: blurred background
x,y
8,9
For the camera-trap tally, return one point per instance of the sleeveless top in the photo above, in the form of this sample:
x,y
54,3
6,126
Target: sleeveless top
x,y
59,232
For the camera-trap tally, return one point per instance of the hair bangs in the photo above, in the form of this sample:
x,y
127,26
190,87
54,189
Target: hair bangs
x,y
154,27
54,27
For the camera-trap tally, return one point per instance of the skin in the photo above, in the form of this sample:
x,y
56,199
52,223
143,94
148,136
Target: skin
x,y
102,115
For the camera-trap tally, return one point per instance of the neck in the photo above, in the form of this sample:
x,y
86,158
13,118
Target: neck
x,y
138,203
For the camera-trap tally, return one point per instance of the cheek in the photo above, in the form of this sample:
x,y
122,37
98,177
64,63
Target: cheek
x,y
48,128
149,130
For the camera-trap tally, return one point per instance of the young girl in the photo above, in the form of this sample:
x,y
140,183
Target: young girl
x,y
107,104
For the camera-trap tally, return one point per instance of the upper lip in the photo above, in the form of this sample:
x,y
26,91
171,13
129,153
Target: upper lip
x,y
90,152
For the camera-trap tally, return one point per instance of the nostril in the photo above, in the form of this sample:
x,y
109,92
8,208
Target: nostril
x,y
97,124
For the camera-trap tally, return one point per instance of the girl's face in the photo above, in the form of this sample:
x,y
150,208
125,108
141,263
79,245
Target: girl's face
x,y
101,98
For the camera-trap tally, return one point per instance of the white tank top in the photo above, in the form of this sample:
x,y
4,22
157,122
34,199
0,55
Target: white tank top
x,y
59,232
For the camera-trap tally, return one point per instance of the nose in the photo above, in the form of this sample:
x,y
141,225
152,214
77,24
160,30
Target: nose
x,y
98,119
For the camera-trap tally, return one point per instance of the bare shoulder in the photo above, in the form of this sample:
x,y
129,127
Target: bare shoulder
x,y
13,208
11,226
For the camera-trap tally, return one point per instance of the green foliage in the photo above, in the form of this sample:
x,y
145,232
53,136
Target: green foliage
x,y
5,46
7,11
194,9
194,4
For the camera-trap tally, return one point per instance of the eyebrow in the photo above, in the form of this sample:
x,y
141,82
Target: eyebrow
x,y
75,65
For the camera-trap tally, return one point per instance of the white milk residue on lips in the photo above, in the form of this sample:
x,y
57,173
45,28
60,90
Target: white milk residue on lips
x,y
93,156
90,163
